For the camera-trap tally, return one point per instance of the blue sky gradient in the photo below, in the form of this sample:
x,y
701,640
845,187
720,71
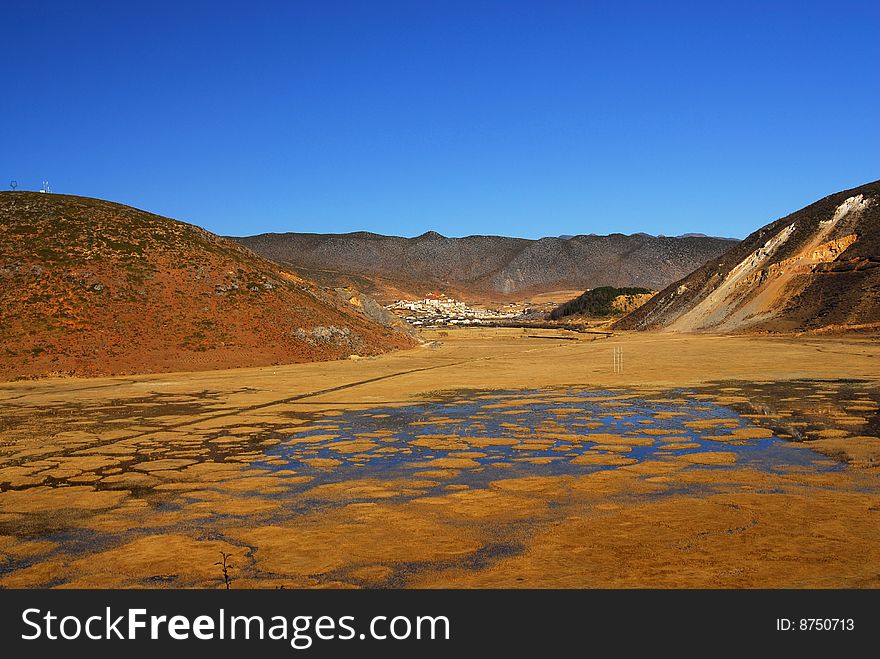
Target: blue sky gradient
x,y
512,118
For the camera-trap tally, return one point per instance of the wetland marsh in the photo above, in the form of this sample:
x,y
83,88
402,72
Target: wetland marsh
x,y
420,469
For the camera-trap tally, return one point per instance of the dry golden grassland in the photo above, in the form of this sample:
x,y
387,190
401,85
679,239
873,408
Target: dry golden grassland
x,y
486,458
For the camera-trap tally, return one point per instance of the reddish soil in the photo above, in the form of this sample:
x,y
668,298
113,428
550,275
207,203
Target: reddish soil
x,y
89,287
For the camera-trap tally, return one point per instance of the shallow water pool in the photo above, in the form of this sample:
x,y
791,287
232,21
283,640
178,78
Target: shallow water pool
x,y
473,437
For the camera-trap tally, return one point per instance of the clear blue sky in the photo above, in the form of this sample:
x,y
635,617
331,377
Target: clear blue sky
x,y
514,118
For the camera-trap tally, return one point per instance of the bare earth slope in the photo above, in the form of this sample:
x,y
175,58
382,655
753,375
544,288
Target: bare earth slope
x,y
90,287
487,267
814,270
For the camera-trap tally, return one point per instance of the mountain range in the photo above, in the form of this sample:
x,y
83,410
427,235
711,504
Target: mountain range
x,y
484,268
90,287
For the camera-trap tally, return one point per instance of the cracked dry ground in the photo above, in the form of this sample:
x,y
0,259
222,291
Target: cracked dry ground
x,y
489,459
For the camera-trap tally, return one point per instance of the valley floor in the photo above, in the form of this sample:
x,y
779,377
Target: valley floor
x,y
486,458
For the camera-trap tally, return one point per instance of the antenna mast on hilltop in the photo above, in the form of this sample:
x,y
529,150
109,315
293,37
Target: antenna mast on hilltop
x,y
45,187
13,184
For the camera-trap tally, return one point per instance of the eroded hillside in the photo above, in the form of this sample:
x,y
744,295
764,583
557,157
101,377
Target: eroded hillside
x,y
814,270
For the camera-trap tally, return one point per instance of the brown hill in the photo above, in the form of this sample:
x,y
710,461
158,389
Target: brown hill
x,y
91,287
816,269
485,267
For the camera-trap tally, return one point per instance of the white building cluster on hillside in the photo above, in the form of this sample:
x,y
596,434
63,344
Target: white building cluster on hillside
x,y
436,309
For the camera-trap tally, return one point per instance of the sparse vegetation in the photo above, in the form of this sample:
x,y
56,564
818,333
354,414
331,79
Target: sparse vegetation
x,y
225,566
115,289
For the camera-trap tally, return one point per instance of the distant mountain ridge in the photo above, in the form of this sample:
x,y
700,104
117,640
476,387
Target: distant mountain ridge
x,y
817,269
487,267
